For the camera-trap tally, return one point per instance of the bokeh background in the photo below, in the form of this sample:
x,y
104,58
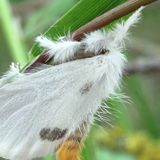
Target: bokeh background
x,y
133,130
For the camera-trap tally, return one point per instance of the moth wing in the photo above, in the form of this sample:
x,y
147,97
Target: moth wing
x,y
57,98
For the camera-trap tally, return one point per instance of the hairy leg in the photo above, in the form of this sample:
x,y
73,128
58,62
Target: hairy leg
x,y
69,150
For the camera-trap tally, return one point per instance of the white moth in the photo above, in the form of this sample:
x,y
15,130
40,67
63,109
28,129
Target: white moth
x,y
59,98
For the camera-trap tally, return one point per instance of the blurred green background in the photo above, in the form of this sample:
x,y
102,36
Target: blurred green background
x,y
133,132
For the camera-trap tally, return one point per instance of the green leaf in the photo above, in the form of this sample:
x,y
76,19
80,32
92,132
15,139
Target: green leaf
x,y
46,16
119,110
142,104
49,158
104,154
90,146
80,14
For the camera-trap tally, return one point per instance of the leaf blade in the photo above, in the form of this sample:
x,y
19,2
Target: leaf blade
x,y
74,18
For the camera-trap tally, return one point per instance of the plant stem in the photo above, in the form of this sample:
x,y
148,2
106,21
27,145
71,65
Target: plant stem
x,y
109,17
13,41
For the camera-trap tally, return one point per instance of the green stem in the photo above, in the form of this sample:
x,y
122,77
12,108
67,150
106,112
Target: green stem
x,y
14,43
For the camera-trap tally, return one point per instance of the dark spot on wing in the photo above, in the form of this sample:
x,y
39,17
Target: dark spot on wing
x,y
86,88
52,135
44,133
56,134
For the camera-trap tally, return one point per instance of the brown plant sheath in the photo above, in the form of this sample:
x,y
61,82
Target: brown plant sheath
x,y
109,17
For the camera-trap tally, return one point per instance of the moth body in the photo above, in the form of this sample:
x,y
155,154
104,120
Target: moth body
x,y
41,110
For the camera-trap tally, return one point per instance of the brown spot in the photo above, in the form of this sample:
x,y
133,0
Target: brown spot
x,y
56,134
44,133
86,88
52,135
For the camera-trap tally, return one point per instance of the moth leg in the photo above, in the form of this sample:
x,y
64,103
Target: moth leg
x,y
70,149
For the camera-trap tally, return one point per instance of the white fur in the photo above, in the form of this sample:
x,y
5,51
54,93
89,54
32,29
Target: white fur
x,y
62,51
57,96
120,33
96,41
13,73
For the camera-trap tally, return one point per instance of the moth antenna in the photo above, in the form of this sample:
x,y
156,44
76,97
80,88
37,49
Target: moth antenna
x,y
120,32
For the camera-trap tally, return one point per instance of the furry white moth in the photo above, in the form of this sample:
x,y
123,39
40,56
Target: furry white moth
x,y
38,111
